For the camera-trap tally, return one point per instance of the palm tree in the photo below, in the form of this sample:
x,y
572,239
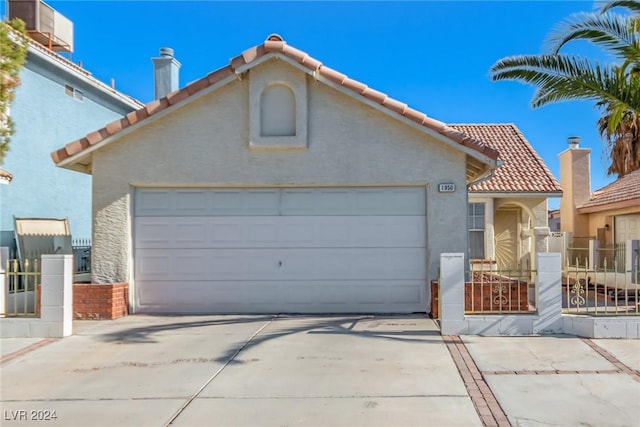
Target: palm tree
x,y
622,142
614,88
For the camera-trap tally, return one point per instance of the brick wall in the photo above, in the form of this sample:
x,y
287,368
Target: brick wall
x,y
435,297
92,301
98,302
481,294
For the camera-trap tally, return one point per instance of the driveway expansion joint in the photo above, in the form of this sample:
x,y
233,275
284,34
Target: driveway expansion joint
x,y
555,372
212,377
622,368
483,399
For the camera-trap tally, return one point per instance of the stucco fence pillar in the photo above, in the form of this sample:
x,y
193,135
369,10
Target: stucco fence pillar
x,y
4,257
548,287
56,303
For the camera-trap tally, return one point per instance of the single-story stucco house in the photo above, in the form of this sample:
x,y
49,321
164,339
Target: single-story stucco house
x,y
277,184
508,212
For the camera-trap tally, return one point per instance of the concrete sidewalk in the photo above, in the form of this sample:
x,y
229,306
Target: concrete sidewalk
x,y
314,371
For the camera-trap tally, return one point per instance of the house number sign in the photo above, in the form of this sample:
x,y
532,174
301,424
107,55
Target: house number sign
x,y
446,188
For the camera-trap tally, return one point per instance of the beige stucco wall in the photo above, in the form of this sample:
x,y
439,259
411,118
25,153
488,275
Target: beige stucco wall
x,y
206,143
531,234
599,219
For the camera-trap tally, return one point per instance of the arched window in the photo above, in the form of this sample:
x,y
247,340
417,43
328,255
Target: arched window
x,y
277,111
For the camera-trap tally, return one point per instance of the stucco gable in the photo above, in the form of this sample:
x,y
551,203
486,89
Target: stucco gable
x,y
77,154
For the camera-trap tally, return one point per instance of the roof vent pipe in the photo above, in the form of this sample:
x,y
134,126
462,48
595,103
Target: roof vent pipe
x,y
166,73
574,142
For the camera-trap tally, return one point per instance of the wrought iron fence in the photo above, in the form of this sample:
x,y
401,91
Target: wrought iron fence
x,y
22,279
82,255
601,291
81,249
577,249
612,257
504,291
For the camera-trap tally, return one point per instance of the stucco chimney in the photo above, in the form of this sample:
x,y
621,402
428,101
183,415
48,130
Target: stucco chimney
x,y
575,180
166,73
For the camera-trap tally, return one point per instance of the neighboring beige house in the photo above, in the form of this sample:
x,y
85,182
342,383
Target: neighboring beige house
x,y
610,215
508,213
276,184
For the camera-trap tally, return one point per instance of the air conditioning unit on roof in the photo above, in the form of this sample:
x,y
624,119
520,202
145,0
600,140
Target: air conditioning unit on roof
x,y
44,24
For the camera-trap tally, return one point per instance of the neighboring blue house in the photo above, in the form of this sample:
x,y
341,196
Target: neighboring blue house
x,y
58,101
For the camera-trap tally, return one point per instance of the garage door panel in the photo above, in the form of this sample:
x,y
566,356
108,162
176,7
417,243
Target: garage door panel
x,y
284,264
365,201
296,297
279,232
371,201
206,202
627,227
287,250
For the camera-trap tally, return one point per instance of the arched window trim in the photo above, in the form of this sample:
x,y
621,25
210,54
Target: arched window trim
x,y
277,120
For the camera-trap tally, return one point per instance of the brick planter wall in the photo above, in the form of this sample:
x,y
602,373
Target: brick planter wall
x,y
92,301
484,299
482,295
98,302
435,311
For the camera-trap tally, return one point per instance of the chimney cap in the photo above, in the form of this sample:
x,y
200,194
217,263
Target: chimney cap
x,y
573,141
166,52
274,37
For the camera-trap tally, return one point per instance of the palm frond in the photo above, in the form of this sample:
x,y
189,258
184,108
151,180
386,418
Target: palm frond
x,y
612,32
631,5
563,78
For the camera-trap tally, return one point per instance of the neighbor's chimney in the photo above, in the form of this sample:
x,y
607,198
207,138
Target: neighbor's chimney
x,y
575,180
166,70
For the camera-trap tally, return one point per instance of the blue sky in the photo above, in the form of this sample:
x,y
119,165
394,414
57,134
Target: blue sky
x,y
435,56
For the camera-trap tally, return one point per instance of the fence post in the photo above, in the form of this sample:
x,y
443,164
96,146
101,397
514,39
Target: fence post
x,y
632,249
57,294
452,294
4,283
594,254
549,293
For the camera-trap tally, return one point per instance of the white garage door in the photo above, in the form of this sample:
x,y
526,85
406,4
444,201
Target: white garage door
x,y
627,228
291,250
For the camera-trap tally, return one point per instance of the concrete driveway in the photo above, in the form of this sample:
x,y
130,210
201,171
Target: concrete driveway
x,y
314,371
242,371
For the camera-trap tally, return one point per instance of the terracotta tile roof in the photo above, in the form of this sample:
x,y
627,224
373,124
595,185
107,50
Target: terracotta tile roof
x,y
523,170
273,45
621,190
5,176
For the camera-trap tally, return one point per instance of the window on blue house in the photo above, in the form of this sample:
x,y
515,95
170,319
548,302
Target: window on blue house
x,y
73,92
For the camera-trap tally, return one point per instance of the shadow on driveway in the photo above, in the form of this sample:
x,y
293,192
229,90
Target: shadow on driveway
x,y
338,325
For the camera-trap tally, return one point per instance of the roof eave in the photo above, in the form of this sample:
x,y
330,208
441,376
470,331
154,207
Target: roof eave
x,y
629,203
516,194
85,77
